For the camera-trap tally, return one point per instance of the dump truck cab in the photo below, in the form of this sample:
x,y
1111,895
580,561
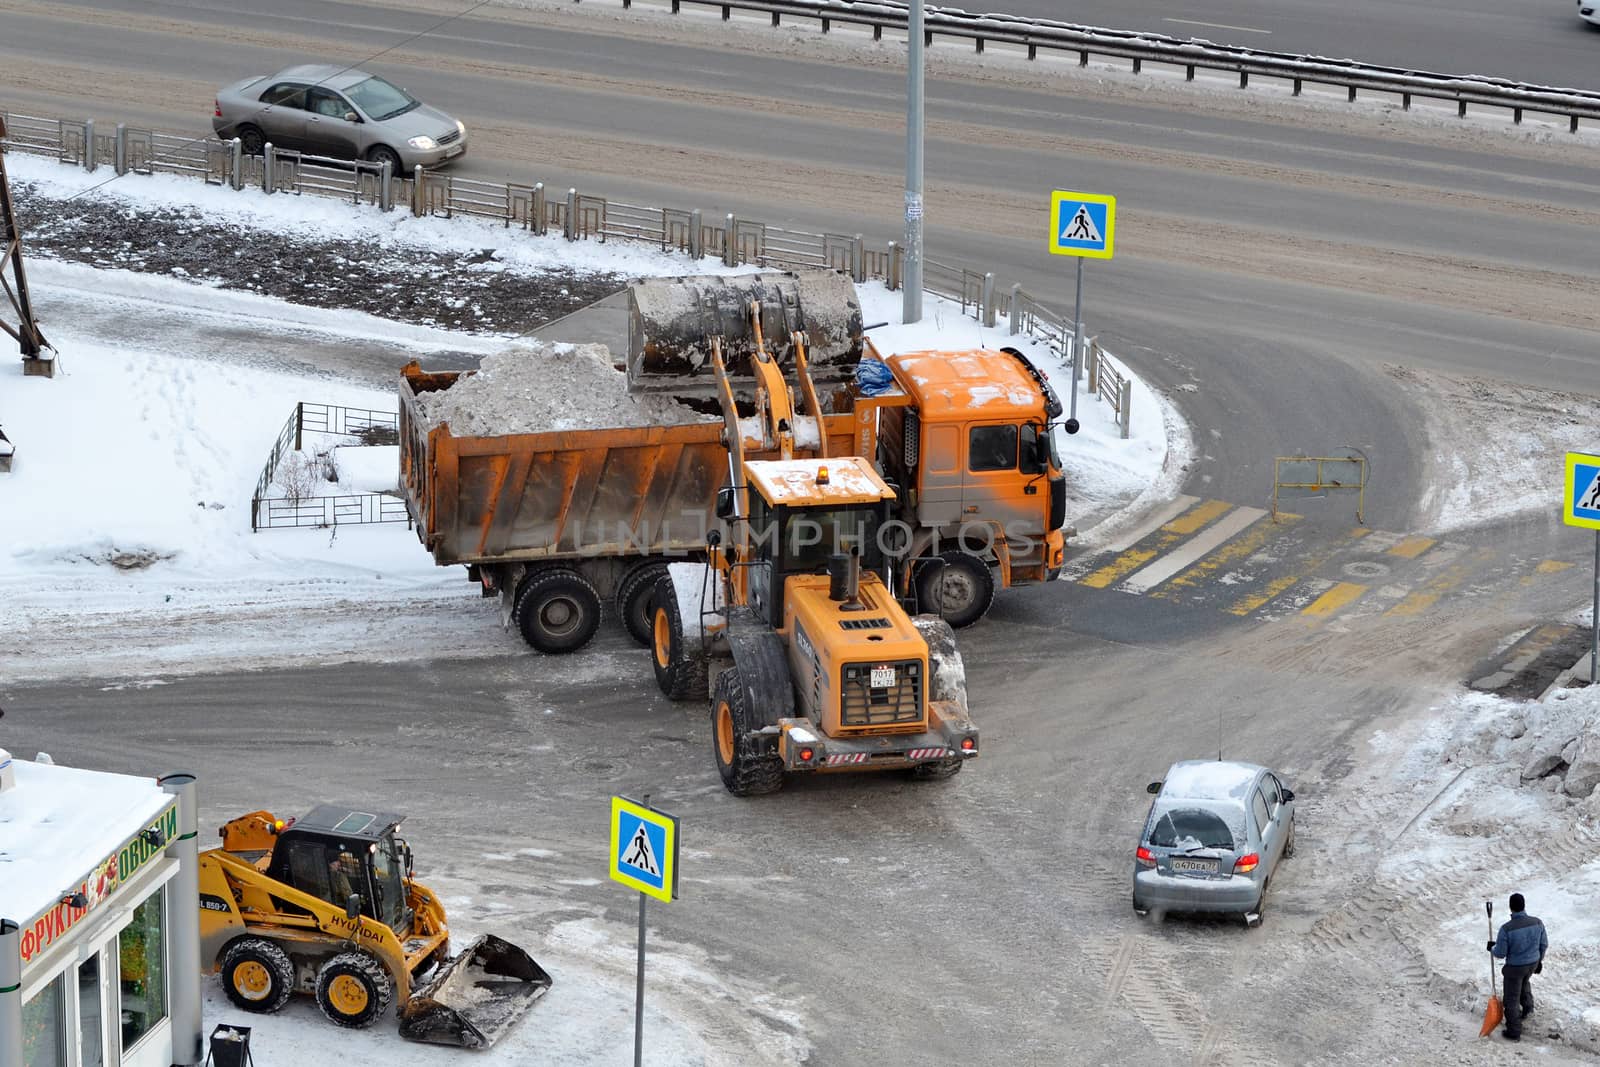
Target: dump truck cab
x,y
972,449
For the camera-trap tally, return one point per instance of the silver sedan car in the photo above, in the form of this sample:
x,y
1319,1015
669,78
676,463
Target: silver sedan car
x,y
325,110
1213,838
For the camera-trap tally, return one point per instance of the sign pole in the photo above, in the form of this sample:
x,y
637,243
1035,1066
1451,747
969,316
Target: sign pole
x,y
1077,341
1594,621
911,276
638,998
644,857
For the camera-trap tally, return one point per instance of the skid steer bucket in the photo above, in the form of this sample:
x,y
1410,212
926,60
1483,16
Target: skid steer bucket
x,y
672,321
476,997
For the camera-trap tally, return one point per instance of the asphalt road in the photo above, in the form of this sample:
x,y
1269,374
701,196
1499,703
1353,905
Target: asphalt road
x,y
1268,270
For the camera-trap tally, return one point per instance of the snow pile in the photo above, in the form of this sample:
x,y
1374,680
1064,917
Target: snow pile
x,y
1482,829
541,387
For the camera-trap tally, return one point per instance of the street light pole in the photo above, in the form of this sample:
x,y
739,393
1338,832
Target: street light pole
x,y
911,276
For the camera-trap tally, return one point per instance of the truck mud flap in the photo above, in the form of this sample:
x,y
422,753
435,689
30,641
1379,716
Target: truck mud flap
x,y
472,1000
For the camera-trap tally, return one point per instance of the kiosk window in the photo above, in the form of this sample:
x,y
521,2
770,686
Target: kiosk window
x,y
142,955
42,1042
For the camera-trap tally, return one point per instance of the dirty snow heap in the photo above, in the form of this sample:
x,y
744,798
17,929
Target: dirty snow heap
x,y
541,387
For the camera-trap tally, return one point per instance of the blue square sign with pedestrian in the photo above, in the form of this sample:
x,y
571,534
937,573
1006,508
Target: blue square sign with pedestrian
x,y
1582,490
644,848
1082,224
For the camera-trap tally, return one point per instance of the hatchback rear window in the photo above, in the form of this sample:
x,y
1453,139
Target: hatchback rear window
x,y
1190,828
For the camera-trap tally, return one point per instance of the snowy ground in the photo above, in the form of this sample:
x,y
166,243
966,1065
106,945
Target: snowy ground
x,y
129,557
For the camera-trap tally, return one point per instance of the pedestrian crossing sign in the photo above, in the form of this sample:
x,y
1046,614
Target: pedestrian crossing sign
x,y
1081,224
644,849
1582,504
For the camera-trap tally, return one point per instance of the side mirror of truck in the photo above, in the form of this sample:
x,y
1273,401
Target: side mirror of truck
x,y
725,502
352,906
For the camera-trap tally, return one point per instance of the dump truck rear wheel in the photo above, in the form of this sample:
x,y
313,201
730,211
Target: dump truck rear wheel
x,y
558,611
937,770
967,588
745,771
680,662
353,989
635,601
257,975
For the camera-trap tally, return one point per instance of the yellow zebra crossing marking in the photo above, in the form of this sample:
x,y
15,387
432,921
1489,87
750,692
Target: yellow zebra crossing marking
x,y
1240,548
1342,595
1426,597
1171,534
1278,586
1412,547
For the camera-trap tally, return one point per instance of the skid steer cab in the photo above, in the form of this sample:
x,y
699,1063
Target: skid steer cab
x,y
326,905
811,663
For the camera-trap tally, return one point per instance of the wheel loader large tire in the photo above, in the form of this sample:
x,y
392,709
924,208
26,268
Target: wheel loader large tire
x,y
960,591
257,975
557,611
947,681
635,601
745,771
354,990
680,662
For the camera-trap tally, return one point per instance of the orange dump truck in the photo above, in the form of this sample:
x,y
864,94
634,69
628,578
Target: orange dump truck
x,y
557,523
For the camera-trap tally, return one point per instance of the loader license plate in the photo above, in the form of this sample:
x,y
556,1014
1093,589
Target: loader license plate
x,y
1199,866
882,678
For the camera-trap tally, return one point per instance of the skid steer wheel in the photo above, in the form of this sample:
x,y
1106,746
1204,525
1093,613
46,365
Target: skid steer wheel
x,y
353,989
558,611
680,662
961,591
257,975
744,771
635,601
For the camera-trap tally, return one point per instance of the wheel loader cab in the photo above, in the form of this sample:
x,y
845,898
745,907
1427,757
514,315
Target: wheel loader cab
x,y
336,853
800,514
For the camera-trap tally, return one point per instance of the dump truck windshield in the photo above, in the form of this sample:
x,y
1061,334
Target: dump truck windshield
x,y
811,535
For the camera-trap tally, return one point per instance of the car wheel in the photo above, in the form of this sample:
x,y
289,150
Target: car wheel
x,y
383,154
251,140
1288,846
1252,918
1139,909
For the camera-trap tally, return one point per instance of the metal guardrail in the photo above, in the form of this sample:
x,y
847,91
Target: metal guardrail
x,y
1108,382
342,509
1190,54
576,216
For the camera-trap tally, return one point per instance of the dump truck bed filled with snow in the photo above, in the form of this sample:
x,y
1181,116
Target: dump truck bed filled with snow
x,y
486,484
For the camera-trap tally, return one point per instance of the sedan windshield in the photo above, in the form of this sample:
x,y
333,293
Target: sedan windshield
x,y
1190,828
381,100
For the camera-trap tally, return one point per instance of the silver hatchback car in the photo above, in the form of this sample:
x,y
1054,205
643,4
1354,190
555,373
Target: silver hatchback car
x,y
325,110
1213,838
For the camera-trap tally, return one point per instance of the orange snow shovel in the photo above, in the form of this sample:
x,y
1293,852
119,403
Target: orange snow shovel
x,y
1495,1012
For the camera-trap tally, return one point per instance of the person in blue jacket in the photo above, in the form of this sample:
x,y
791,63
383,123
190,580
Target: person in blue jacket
x,y
1522,944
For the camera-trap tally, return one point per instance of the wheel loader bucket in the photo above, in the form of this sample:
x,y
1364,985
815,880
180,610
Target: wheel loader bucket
x,y
472,1000
672,321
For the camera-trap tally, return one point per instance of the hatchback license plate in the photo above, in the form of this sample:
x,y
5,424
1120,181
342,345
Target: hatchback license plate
x,y
1199,866
882,678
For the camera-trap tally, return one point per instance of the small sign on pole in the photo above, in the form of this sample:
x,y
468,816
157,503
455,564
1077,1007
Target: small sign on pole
x,y
1081,225
644,856
1581,507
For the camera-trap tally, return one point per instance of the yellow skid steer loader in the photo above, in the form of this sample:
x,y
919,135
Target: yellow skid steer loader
x,y
326,905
